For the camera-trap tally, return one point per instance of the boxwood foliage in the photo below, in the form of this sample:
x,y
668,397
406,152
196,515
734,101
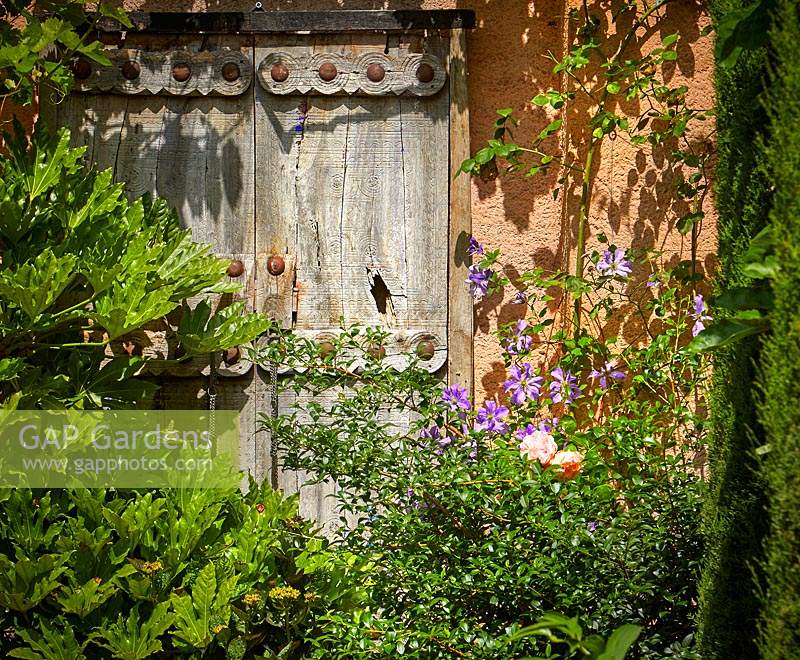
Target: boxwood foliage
x,y
173,573
734,520
780,626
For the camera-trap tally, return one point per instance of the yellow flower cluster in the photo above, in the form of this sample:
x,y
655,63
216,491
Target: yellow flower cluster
x,y
252,598
284,593
151,567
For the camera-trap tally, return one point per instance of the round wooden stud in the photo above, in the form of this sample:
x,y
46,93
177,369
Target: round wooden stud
x,y
279,72
328,71
131,70
375,72
425,73
181,72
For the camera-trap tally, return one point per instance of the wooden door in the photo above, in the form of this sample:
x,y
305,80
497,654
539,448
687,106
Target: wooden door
x,y
331,151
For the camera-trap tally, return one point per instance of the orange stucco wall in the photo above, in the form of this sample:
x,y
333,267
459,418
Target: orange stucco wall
x,y
633,200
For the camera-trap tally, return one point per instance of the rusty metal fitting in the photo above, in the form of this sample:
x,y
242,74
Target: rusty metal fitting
x,y
425,73
279,72
181,72
376,351
376,72
131,70
328,71
231,72
426,349
231,356
81,69
276,265
235,269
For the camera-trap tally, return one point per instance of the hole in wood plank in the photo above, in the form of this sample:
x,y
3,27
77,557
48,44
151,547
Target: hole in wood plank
x,y
382,297
380,293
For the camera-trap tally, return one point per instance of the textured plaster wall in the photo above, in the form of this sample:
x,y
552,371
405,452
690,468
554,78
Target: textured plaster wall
x,y
633,201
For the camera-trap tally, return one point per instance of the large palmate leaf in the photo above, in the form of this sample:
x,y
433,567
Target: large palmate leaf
x,y
129,305
26,582
202,332
34,286
132,639
208,604
49,643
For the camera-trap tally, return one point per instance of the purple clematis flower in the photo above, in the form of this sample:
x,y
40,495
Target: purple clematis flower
x,y
519,342
564,387
520,298
608,373
490,418
475,247
435,433
699,316
456,398
523,383
548,425
478,281
614,263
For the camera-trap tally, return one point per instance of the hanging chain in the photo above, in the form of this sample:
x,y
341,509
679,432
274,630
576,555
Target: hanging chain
x,y
273,446
212,399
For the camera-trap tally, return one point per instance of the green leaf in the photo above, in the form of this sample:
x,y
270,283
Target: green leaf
x,y
726,332
741,30
116,13
551,128
620,642
130,639
49,642
613,87
759,261
201,332
686,222
34,286
669,40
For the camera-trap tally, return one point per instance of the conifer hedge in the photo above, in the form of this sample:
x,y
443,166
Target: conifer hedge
x,y
734,516
780,407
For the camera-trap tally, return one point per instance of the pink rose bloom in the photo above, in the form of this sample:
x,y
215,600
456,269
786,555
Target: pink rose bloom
x,y
569,464
537,445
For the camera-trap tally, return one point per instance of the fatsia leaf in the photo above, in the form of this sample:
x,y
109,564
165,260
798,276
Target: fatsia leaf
x,y
193,613
129,305
25,583
201,332
48,164
130,639
35,285
49,643
11,368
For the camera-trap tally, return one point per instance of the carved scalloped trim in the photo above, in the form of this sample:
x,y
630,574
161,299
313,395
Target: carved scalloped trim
x,y
400,349
400,78
156,77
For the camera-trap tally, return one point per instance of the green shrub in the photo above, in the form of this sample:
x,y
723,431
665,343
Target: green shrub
x,y
76,257
470,539
102,574
734,520
780,624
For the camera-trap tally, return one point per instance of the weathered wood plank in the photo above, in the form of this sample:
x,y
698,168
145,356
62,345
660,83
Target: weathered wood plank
x,y
460,304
